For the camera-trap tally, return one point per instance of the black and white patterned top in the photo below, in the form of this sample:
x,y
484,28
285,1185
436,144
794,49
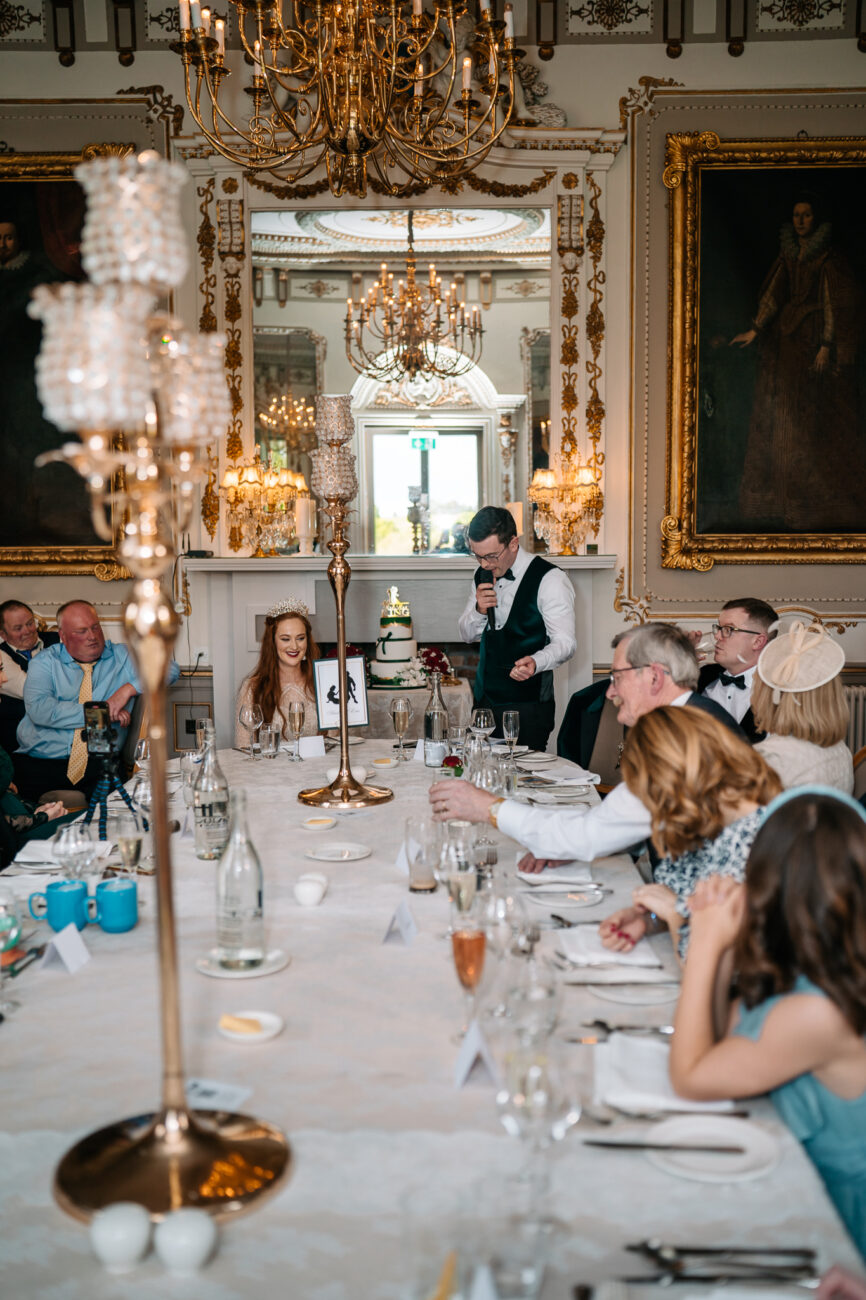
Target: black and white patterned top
x,y
726,855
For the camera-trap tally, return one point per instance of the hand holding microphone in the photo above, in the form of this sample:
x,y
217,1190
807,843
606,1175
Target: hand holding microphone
x,y
485,596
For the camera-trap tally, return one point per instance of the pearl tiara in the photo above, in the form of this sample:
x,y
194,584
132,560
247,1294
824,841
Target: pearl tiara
x,y
290,606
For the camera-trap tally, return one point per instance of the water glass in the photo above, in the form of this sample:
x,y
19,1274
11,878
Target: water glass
x,y
129,837
189,765
424,842
456,741
269,738
142,753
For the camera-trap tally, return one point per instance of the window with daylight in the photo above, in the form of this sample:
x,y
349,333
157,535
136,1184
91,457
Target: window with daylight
x,y
443,465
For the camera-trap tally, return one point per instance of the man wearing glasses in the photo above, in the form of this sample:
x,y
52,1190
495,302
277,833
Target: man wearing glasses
x,y
521,609
744,628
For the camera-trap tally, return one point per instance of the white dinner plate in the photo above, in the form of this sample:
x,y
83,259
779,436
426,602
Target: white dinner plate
x,y
501,745
38,868
634,995
761,1152
587,896
339,851
561,798
530,761
271,1025
275,960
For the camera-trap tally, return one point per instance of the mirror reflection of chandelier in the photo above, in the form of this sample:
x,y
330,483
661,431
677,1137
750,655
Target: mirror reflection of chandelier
x,y
292,419
355,83
568,503
411,329
261,505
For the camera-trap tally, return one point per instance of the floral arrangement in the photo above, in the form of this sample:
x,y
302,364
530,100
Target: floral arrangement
x,y
434,660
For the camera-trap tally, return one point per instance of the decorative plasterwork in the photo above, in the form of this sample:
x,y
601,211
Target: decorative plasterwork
x,y
161,106
778,16
610,17
21,22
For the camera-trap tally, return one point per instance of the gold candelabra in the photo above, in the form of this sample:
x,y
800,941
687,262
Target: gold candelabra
x,y
260,505
94,375
334,481
568,503
363,83
411,328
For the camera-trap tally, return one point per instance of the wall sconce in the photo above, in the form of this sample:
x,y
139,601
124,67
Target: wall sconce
x,y
282,287
64,31
124,31
569,229
485,289
258,285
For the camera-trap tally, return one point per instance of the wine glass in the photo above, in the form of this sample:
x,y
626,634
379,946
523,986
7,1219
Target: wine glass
x,y
537,1101
401,716
189,765
295,723
10,934
511,728
142,797
468,944
129,835
483,723
74,849
251,718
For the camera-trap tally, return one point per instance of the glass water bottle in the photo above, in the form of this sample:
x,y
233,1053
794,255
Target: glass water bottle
x,y
435,725
240,887
210,803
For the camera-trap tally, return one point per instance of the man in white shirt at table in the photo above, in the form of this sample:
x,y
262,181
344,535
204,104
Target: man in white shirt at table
x,y
652,666
521,609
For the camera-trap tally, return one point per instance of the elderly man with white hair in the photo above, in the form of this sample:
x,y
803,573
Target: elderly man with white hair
x,y
84,666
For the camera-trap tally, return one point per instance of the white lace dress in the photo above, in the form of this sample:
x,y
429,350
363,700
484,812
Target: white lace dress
x,y
290,693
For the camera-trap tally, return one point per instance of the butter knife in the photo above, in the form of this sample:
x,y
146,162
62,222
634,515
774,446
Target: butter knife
x,y
31,955
611,1144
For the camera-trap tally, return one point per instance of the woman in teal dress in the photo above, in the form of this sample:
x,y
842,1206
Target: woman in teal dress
x,y
795,937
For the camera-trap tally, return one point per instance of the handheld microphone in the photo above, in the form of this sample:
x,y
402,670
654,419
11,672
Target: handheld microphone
x,y
481,575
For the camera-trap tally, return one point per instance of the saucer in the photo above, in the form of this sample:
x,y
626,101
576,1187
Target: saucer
x,y
384,762
271,1025
275,960
339,851
320,823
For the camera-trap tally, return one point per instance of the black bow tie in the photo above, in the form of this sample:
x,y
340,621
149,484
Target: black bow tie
x,y
727,680
507,576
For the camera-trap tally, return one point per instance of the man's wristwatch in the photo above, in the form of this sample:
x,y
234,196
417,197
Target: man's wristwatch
x,y
493,812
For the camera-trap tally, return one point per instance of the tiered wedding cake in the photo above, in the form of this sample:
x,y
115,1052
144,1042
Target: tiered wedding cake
x,y
396,662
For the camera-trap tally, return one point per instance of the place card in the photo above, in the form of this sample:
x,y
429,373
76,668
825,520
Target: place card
x,y
418,756
402,926
311,746
483,1285
210,1094
401,861
67,949
474,1057
187,829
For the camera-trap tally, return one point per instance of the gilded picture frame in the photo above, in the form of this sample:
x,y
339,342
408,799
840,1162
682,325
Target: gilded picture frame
x,y
45,524
766,421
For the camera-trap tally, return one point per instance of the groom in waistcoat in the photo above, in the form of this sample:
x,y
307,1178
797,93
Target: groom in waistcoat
x,y
521,608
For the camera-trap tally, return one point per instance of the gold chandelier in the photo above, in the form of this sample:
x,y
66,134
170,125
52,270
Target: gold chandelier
x,y
352,83
568,502
411,328
290,418
261,505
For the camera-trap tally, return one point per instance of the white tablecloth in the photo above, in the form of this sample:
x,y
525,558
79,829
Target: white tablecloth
x,y
361,1079
458,702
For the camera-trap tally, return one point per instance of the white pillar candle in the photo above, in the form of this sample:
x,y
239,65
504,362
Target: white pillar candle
x,y
184,15
509,22
467,73
220,36
195,13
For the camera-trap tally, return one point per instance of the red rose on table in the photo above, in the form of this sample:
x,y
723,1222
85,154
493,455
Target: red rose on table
x,y
453,762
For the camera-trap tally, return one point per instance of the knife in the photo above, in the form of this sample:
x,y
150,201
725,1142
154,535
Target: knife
x,y
16,967
663,1146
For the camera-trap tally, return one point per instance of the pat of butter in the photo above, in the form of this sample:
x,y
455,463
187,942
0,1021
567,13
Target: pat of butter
x,y
319,821
240,1024
382,762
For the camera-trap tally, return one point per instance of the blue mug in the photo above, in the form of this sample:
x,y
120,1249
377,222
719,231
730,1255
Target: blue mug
x,y
117,905
64,901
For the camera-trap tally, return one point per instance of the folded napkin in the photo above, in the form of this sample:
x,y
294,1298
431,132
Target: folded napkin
x,y
562,773
42,851
553,878
632,1073
582,945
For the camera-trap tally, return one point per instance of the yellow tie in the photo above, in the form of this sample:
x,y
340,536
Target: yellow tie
x,y
78,753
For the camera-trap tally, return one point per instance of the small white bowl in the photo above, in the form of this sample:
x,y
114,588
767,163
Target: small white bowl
x,y
185,1241
315,875
359,773
384,762
120,1235
319,823
309,893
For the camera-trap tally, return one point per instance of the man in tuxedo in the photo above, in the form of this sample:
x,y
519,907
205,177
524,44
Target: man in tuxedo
x,y
20,640
521,608
744,628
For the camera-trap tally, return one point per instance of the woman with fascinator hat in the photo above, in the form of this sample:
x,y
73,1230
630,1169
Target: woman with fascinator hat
x,y
284,672
797,699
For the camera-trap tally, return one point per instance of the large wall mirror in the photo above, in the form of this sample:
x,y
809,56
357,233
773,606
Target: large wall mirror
x,y
429,439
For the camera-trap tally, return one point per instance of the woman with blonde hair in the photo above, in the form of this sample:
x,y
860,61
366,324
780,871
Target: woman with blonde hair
x,y
284,672
797,699
705,790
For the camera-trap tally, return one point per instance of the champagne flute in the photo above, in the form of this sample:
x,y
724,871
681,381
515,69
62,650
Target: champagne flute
x,y
468,943
142,753
401,716
295,724
10,934
251,719
511,728
129,836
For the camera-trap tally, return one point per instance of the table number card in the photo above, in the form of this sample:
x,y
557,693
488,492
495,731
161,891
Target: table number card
x,y
311,746
68,949
401,862
483,1285
475,1058
402,927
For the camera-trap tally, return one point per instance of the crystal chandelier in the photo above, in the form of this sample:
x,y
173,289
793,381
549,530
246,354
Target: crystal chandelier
x,y
568,503
292,419
260,505
407,329
355,83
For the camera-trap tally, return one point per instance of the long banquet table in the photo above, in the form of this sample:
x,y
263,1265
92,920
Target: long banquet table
x,y
361,1079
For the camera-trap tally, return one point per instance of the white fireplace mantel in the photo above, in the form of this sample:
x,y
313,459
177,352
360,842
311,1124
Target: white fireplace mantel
x,y
229,593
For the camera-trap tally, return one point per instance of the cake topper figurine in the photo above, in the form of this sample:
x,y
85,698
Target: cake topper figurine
x,y
393,606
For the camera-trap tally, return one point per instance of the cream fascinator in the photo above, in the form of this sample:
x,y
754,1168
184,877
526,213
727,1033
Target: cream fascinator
x,y
290,606
802,659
